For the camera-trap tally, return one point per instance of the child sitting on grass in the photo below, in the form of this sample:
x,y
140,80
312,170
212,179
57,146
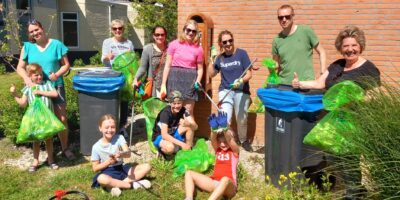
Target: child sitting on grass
x,y
223,182
46,91
107,154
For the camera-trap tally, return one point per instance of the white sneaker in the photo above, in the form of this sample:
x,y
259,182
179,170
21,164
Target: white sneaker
x,y
115,192
144,183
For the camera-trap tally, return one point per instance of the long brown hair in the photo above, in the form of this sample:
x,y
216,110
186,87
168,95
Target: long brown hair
x,y
35,23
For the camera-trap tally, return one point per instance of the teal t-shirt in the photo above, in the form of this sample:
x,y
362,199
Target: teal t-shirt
x,y
295,53
49,59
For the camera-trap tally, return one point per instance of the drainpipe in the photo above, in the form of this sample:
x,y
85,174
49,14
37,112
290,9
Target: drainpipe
x,y
109,17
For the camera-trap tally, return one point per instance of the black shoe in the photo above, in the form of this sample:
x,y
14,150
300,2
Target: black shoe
x,y
247,146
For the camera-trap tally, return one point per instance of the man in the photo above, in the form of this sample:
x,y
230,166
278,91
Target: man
x,y
174,126
292,49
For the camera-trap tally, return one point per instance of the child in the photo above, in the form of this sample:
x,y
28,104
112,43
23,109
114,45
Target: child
x,y
107,154
46,91
223,182
174,126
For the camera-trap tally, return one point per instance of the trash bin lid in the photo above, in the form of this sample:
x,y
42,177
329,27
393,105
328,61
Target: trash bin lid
x,y
98,81
290,101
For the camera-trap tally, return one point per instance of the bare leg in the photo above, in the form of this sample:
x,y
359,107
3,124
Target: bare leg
x,y
189,105
60,111
167,147
202,181
189,134
108,182
225,188
49,149
138,172
36,151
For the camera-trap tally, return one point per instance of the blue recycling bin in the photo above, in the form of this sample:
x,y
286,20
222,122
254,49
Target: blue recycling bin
x,y
98,95
289,116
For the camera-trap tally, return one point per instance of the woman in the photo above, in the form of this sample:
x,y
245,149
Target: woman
x,y
350,42
153,60
51,54
112,47
232,63
116,45
184,66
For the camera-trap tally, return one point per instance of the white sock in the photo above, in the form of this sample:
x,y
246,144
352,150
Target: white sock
x,y
140,184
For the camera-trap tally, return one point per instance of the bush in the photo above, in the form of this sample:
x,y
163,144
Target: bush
x,y
78,63
96,59
72,102
2,69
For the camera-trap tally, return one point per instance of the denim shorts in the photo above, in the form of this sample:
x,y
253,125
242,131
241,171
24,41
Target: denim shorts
x,y
61,96
176,135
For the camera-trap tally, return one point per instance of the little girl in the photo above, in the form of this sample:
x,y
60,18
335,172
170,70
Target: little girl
x,y
107,154
46,91
223,182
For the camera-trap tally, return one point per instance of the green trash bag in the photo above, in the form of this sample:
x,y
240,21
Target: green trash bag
x,y
332,133
151,108
341,94
38,123
273,79
198,159
128,64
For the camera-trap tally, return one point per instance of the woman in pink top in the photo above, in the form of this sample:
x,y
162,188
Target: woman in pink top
x,y
184,66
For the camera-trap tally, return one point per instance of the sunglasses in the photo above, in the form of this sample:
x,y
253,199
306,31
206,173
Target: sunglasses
x,y
188,30
159,34
117,28
288,17
226,42
33,22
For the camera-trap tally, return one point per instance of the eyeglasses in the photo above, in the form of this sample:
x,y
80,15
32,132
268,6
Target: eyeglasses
x,y
159,34
288,17
226,42
188,30
117,28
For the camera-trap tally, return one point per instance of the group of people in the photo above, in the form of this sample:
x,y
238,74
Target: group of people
x,y
177,70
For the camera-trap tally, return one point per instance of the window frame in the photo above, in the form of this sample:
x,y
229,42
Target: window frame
x,y
77,27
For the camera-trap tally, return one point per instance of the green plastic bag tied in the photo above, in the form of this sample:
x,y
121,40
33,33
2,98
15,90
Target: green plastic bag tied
x,y
38,123
332,133
151,108
341,94
128,64
198,159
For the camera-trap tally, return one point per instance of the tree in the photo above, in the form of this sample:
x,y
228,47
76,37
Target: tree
x,y
160,12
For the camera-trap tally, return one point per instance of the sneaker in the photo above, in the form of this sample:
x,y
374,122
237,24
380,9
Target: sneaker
x,y
247,146
115,192
144,183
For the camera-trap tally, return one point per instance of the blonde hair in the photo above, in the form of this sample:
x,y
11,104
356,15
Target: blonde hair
x,y
106,117
353,32
34,68
182,36
117,21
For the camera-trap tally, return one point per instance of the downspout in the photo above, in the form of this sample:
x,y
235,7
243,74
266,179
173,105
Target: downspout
x,y
109,18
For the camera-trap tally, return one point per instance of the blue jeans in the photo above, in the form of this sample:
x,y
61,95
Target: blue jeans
x,y
238,101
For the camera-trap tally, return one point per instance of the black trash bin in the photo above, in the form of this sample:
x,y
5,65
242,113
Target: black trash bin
x,y
98,95
289,116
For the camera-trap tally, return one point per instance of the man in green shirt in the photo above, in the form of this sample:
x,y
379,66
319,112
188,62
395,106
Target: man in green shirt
x,y
292,49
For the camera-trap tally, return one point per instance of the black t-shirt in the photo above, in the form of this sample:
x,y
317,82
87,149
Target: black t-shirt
x,y
166,117
366,76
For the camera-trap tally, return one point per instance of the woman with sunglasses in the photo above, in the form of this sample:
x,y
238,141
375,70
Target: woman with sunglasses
x,y
113,47
116,45
51,54
153,60
184,66
231,63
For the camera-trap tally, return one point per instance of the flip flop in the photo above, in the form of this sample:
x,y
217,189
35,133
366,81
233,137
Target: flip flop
x,y
33,168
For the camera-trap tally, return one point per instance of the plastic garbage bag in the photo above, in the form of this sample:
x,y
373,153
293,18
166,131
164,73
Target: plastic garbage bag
x,y
151,108
341,94
38,123
198,159
128,64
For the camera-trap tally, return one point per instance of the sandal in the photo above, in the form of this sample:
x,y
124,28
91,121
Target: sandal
x,y
33,168
53,166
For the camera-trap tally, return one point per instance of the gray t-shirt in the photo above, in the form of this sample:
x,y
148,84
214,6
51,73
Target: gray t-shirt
x,y
102,152
111,45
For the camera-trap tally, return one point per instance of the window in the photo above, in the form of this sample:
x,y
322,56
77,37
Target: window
x,y
70,29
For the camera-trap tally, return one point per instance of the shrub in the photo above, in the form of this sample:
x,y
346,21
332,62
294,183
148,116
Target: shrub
x,y
72,102
96,59
2,69
78,63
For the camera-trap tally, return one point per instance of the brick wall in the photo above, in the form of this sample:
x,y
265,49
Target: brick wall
x,y
254,24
